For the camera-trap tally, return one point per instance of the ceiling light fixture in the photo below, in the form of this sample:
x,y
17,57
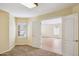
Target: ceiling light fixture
x,y
30,5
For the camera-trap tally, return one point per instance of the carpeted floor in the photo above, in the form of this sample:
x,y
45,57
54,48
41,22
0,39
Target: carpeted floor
x,y
28,51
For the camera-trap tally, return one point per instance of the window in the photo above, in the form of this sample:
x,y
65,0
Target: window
x,y
22,30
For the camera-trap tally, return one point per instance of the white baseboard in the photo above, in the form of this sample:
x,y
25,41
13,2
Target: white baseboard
x,y
8,49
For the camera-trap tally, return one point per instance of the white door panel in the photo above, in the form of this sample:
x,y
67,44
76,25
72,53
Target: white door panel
x,y
68,48
70,34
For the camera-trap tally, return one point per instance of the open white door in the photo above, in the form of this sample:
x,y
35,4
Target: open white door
x,y
70,35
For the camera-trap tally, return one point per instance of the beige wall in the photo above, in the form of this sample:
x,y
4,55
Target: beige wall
x,y
76,9
63,12
7,31
4,31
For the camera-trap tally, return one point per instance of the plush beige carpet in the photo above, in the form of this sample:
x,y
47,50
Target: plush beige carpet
x,y
25,50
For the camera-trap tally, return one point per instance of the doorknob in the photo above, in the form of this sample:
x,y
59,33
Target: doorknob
x,y
76,40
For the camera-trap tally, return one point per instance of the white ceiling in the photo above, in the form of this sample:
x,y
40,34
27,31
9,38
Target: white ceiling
x,y
19,10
